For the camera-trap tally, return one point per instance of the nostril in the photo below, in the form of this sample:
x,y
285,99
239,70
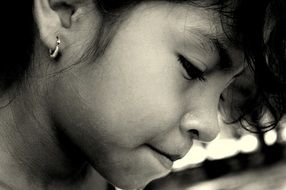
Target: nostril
x,y
194,133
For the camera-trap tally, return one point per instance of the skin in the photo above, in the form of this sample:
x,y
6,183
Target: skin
x,y
131,112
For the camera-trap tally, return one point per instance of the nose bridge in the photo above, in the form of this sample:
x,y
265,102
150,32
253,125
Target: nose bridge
x,y
201,123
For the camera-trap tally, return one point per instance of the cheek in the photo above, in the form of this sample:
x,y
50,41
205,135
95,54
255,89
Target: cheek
x,y
118,106
133,97
132,111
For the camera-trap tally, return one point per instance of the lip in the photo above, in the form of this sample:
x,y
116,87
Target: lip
x,y
172,157
162,158
165,158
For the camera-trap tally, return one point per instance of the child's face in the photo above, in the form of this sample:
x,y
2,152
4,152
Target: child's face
x,y
134,111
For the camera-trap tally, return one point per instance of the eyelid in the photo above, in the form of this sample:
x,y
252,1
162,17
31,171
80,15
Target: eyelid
x,y
196,63
192,70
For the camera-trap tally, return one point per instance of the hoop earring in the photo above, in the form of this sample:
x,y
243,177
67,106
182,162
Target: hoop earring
x,y
54,53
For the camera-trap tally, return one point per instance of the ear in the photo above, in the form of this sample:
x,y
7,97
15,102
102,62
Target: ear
x,y
64,18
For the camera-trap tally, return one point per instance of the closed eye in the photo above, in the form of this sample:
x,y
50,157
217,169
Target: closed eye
x,y
193,72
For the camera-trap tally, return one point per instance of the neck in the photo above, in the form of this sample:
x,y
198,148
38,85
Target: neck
x,y
31,149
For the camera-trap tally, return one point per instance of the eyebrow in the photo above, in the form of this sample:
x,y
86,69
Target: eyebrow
x,y
225,62
218,43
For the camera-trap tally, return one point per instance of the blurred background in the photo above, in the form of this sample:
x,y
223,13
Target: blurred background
x,y
235,160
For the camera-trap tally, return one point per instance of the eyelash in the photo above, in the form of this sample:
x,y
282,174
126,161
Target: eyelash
x,y
193,72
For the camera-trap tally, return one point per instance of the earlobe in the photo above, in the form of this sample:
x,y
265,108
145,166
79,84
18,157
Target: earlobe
x,y
48,22
52,18
74,22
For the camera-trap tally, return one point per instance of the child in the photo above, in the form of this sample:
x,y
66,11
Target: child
x,y
113,88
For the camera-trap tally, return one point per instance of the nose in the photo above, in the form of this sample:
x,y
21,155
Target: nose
x,y
202,126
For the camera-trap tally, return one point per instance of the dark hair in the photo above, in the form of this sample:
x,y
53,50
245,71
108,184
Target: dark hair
x,y
17,41
248,20
260,30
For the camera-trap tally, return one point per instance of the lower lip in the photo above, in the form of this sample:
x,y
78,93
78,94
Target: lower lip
x,y
167,163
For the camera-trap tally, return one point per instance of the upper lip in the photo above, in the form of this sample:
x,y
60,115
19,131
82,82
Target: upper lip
x,y
172,157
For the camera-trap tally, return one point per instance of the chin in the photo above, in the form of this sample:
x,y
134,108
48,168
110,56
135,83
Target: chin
x,y
129,186
132,169
131,183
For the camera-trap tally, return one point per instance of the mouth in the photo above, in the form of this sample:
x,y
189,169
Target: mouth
x,y
162,158
171,157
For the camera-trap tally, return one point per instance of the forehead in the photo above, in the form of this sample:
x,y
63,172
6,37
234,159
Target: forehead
x,y
203,24
184,22
200,24
203,14
184,15
203,21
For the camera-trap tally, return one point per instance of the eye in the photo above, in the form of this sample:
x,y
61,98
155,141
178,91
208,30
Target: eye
x,y
222,98
193,72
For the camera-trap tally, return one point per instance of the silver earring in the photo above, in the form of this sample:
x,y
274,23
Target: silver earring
x,y
54,53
